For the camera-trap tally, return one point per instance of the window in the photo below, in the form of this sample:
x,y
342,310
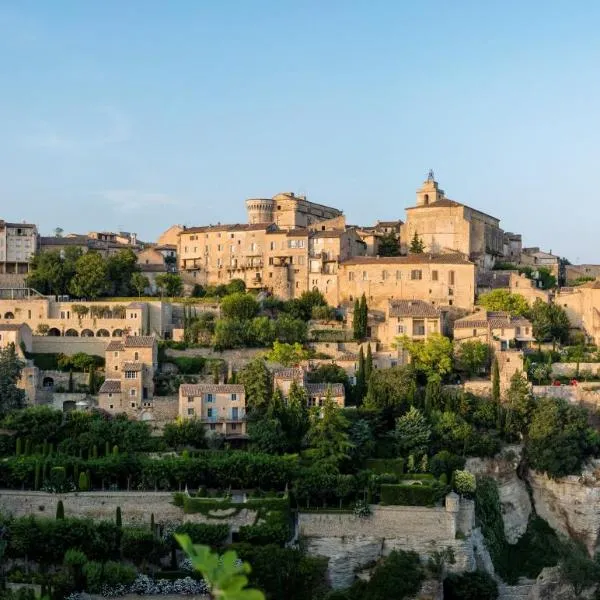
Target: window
x,y
434,275
272,246
451,277
133,405
191,411
233,397
384,275
518,331
111,406
233,426
450,292
365,276
209,412
133,392
210,398
130,375
301,260
398,275
474,332
350,276
400,328
418,327
190,399
136,356
116,367
416,274
212,426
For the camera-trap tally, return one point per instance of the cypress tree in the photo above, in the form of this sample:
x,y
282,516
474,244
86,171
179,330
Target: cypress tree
x,y
356,320
152,524
83,482
216,373
106,448
70,388
364,317
115,450
495,382
92,381
360,386
19,449
368,365
60,510
95,451
119,518
36,484
44,472
50,449
27,447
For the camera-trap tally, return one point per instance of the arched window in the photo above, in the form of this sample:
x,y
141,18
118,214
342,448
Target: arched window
x,y
9,315
48,382
71,333
87,333
102,333
54,332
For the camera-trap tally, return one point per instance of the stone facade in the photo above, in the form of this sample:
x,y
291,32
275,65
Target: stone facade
x,y
582,305
489,326
18,244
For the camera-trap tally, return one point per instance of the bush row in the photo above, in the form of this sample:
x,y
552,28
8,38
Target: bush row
x,y
417,494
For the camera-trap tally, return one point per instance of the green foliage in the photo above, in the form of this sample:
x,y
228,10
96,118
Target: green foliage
x,y
290,330
209,534
225,576
504,300
118,517
169,284
392,388
433,356
188,365
478,585
416,494
83,483
139,283
550,322
412,432
140,545
464,483
473,356
256,378
386,465
495,382
417,245
239,306
51,272
11,397
328,433
445,463
389,245
91,277
121,267
398,576
287,354
79,361
559,438
60,510
185,432
578,569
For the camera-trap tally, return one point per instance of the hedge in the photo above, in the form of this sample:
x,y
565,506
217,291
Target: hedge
x,y
206,506
386,465
411,495
427,477
188,365
209,534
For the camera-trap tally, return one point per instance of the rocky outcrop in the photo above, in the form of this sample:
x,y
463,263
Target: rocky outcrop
x,y
514,497
549,586
571,504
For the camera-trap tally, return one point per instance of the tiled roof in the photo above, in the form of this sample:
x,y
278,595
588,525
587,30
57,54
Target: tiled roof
x,y
136,304
447,203
413,308
140,341
110,386
318,389
79,240
347,356
388,223
115,345
148,268
231,227
133,366
492,319
289,373
411,259
332,233
197,389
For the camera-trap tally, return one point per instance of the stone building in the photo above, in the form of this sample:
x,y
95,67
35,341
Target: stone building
x,y
446,280
222,407
18,244
582,305
288,211
316,392
129,384
105,243
574,272
494,326
444,225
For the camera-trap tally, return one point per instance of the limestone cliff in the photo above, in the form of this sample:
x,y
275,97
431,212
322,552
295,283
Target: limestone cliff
x,y
514,498
571,504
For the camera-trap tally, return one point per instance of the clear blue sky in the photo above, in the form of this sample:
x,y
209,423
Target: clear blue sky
x,y
187,107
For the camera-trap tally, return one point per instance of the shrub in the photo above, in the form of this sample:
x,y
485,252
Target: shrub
x,y
478,585
398,576
464,483
411,495
188,365
208,534
386,465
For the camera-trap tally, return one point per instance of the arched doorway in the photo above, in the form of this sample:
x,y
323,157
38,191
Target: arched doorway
x,y
102,333
117,333
71,333
47,383
87,333
54,332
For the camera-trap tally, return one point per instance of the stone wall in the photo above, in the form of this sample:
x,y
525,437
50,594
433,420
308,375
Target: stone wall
x,y
69,345
569,369
61,379
136,507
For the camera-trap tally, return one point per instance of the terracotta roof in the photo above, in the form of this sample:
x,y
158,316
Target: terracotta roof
x,y
133,366
388,223
412,308
115,345
140,341
136,305
411,259
148,268
447,203
165,247
289,373
332,233
493,319
231,227
318,389
110,386
197,389
79,240
347,356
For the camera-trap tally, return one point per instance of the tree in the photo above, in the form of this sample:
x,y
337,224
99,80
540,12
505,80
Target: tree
x,y
91,276
550,323
262,331
328,434
230,333
240,306
225,576
356,326
256,379
121,267
399,576
267,435
169,284
412,433
364,317
496,382
360,386
185,432
60,510
368,365
295,417
503,300
578,569
432,356
11,397
389,245
287,354
559,438
473,356
236,286
416,245
392,388
139,283
478,585
290,330
330,373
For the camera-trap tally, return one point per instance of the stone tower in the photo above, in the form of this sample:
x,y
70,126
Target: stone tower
x,y
429,192
260,210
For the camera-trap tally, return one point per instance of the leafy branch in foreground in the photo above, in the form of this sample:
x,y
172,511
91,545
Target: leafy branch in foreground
x,y
224,575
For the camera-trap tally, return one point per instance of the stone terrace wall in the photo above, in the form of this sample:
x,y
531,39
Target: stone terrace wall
x,y
69,345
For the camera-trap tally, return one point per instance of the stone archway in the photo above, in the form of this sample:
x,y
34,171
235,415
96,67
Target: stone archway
x,y
71,333
54,332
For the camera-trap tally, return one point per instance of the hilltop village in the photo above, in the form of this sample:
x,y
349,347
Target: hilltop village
x,y
405,409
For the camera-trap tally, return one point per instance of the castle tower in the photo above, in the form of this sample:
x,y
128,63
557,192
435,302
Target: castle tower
x,y
429,192
260,210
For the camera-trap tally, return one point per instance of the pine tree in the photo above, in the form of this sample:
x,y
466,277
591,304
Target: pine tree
x,y
416,245
60,510
356,327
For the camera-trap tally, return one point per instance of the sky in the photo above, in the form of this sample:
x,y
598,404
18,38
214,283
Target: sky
x,y
138,114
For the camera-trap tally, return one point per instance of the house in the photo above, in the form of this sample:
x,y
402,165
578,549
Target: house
x,y
129,383
316,392
222,407
494,326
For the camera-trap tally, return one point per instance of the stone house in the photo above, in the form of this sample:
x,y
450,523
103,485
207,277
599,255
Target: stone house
x,y
18,334
131,363
445,280
222,407
316,392
489,326
18,244
582,305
